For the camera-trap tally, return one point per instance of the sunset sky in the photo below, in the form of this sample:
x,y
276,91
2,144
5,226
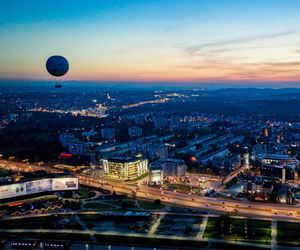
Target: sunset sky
x,y
143,40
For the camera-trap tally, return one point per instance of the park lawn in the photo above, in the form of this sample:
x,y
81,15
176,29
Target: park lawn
x,y
210,230
252,230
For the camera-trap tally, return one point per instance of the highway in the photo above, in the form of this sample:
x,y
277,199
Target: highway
x,y
213,205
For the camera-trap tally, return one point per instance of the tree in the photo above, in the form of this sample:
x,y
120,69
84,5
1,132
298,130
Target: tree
x,y
157,202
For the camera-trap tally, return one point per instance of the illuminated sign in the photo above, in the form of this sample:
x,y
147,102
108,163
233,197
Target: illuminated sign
x,y
66,155
38,186
12,190
64,184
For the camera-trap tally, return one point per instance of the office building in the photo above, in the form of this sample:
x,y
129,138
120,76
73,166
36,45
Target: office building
x,y
125,168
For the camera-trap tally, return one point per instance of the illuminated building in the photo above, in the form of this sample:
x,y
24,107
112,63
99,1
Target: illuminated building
x,y
283,196
266,132
126,168
283,167
156,175
246,158
280,159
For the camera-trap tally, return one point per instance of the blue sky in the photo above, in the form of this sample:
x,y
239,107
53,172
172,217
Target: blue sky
x,y
152,40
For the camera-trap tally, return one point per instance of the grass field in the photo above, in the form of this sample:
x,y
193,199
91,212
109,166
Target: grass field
x,y
256,231
288,234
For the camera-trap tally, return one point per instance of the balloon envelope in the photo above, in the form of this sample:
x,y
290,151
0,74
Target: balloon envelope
x,y
57,65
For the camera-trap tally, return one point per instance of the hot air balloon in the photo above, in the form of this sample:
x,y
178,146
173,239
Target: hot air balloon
x,y
57,66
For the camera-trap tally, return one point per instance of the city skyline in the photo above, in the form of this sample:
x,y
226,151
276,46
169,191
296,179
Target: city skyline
x,y
151,124
180,41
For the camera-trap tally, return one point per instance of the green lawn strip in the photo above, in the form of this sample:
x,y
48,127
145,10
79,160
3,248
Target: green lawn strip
x,y
246,230
210,230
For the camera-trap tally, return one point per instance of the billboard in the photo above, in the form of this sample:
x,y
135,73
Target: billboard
x,y
12,190
64,184
38,186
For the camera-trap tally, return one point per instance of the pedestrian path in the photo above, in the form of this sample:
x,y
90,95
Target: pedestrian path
x,y
274,235
156,224
202,228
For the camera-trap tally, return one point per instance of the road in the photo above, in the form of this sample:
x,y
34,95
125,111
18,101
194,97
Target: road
x,y
214,205
249,209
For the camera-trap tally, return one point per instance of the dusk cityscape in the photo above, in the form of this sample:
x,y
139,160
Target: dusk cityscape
x,y
150,125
